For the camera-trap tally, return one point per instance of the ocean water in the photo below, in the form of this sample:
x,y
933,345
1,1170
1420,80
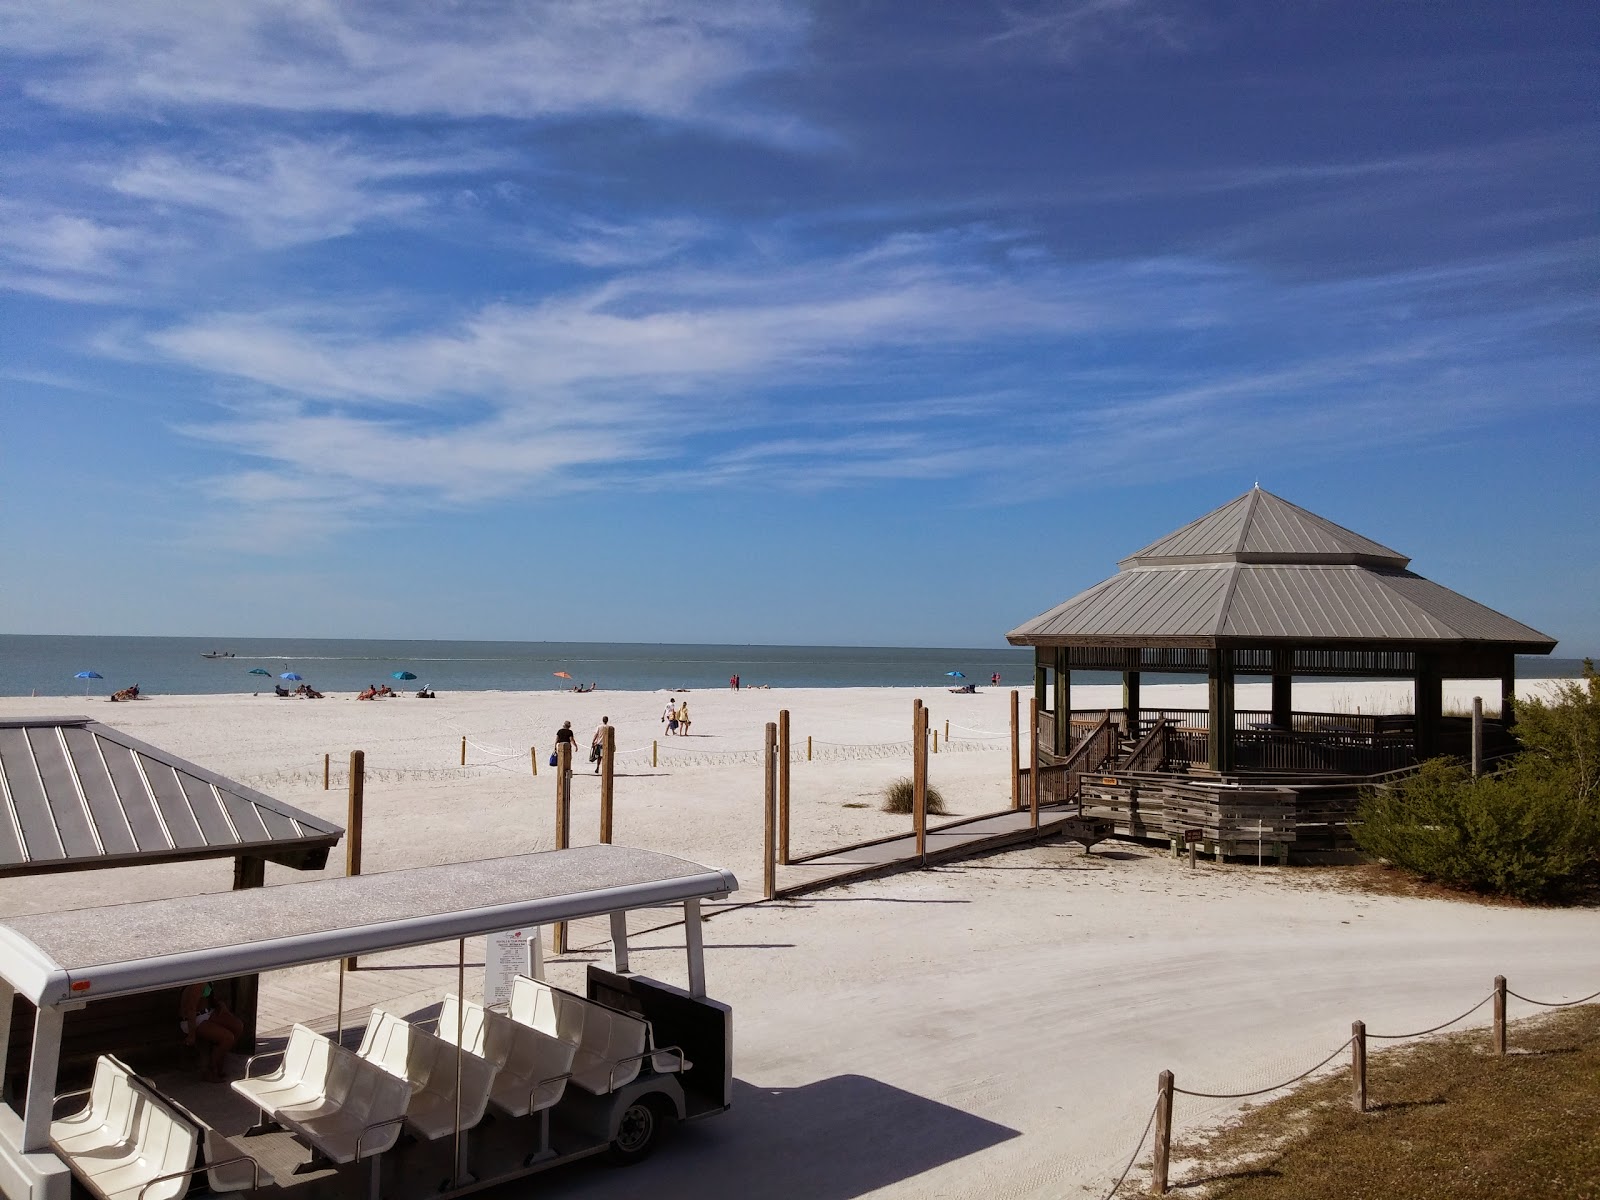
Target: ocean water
x,y
46,665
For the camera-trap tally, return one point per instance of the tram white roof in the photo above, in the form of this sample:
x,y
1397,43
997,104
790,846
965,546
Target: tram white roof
x,y
119,949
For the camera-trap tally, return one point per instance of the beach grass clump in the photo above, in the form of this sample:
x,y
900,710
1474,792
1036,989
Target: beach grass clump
x,y
898,796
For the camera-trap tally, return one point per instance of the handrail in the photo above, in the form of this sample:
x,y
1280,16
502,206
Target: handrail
x,y
1156,739
618,1064
1079,759
255,1173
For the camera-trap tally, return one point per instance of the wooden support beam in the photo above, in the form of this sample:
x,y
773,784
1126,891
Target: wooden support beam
x,y
1131,701
783,786
353,818
1428,689
1063,699
769,846
1033,765
1016,753
608,766
1283,701
919,803
1220,707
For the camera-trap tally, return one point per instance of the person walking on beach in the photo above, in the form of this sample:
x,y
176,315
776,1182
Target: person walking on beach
x,y
597,744
683,718
670,717
564,734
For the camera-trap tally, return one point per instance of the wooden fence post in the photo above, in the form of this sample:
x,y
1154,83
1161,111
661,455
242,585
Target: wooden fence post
x,y
1016,756
947,731
783,786
769,844
808,747
920,790
1500,1014
1358,1065
608,749
533,757
1163,1146
1033,763
353,819
326,760
563,821
1477,736
653,761
936,741
463,749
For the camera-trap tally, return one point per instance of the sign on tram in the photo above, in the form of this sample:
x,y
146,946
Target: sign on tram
x,y
507,955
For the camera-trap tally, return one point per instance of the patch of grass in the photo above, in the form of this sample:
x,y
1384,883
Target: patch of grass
x,y
853,804
897,798
1448,1120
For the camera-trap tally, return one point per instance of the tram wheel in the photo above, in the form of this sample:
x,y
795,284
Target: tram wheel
x,y
641,1127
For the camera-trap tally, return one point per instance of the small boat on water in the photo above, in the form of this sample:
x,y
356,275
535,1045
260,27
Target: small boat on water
x,y
216,654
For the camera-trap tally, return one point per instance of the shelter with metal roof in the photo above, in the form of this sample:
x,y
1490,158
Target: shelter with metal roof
x,y
1263,587
78,795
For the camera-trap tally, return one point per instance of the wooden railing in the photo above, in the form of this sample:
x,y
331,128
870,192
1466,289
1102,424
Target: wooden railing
x,y
1150,754
1093,753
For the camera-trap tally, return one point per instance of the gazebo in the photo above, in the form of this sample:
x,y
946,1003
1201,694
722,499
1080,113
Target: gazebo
x,y
1262,587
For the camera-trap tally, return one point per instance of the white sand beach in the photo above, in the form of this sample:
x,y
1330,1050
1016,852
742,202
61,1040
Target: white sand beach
x,y
990,1027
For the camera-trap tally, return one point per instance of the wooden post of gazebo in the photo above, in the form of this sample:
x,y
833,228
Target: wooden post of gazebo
x,y
1428,708
1219,731
1131,702
1063,699
1283,688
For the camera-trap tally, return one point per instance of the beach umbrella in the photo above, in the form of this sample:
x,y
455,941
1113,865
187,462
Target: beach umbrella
x,y
562,675
288,675
955,674
402,675
87,675
259,671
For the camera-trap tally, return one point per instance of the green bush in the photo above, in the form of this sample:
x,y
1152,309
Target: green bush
x,y
897,798
1521,833
1561,736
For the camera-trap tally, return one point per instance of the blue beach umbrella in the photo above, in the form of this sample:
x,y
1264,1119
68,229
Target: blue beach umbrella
x,y
259,671
955,674
289,675
402,675
87,675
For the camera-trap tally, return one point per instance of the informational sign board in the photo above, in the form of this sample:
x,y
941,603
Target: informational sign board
x,y
507,955
1194,835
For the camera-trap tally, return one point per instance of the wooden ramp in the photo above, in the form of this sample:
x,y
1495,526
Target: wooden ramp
x,y
945,843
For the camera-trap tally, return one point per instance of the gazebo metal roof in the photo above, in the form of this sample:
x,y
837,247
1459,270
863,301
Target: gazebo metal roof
x,y
1260,570
76,794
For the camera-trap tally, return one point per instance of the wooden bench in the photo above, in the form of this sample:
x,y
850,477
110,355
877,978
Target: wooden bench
x,y
130,1143
433,1067
532,1068
610,1048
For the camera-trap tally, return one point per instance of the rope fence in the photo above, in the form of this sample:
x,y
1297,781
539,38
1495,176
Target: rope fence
x,y
1161,1116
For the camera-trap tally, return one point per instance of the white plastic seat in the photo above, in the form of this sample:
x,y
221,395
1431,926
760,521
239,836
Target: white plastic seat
x,y
430,1063
300,1077
610,1047
359,1115
138,1141
106,1121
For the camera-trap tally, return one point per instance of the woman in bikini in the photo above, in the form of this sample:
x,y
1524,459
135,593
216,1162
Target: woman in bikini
x,y
203,1017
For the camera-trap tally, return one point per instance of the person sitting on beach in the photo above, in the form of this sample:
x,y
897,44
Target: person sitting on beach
x,y
203,1017
280,689
369,694
423,693
385,690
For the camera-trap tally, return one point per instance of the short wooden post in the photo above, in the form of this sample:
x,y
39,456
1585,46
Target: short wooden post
x,y
783,787
1163,1144
326,761
1477,736
920,792
653,761
463,749
563,821
1500,1014
769,845
1192,854
533,757
947,731
608,750
1358,1065
353,819
1016,755
1033,763
808,747
936,741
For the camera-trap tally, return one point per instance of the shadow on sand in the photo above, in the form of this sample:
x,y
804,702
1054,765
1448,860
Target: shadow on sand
x,y
834,1139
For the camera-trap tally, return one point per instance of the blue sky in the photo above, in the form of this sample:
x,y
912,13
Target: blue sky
x,y
854,322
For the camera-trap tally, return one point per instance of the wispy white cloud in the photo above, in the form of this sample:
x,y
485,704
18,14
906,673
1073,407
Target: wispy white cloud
x,y
500,58
62,255
1069,28
286,191
594,242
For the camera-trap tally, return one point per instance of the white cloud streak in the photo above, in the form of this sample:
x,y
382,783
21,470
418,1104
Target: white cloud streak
x,y
498,58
